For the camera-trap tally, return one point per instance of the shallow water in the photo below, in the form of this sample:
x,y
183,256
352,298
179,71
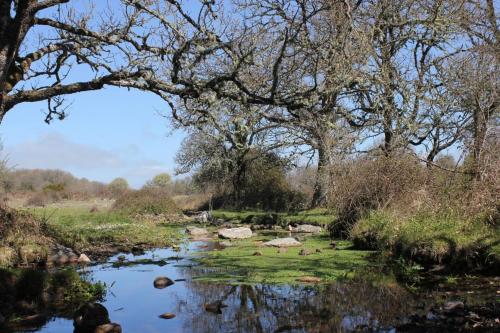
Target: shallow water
x,y
135,304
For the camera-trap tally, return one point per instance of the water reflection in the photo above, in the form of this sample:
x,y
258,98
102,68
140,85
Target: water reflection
x,y
134,303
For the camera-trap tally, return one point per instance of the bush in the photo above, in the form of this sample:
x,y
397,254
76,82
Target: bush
x,y
428,238
146,201
362,185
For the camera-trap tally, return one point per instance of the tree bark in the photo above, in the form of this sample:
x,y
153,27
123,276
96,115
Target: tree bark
x,y
320,194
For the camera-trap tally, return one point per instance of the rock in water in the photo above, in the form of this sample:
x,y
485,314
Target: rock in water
x,y
167,315
89,317
108,328
307,228
215,307
283,242
235,233
83,259
195,231
162,282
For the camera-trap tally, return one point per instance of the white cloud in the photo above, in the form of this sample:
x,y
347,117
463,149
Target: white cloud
x,y
55,151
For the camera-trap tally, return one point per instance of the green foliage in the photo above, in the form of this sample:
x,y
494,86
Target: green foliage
x,y
118,186
162,180
146,201
58,187
428,238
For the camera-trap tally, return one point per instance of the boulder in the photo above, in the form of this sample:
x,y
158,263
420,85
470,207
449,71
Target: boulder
x,y
283,242
235,233
202,217
89,317
162,282
307,228
108,328
195,231
83,259
167,315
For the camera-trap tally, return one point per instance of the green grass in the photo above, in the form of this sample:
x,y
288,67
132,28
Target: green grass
x,y
82,230
428,238
237,264
318,216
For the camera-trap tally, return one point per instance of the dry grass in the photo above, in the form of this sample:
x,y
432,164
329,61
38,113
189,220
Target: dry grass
x,y
191,202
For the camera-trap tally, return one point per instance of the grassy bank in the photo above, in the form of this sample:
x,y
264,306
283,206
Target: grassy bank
x,y
318,216
240,264
430,239
85,231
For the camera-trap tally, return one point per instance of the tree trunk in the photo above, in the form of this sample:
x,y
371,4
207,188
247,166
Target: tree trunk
x,y
480,128
322,178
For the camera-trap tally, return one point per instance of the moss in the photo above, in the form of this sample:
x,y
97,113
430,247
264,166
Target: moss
x,y
238,264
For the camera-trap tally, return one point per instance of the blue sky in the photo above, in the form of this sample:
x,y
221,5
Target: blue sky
x,y
109,133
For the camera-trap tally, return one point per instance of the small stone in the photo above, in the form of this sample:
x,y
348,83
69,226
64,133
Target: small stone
x,y
108,328
215,307
318,251
83,259
304,252
283,242
167,315
162,282
257,253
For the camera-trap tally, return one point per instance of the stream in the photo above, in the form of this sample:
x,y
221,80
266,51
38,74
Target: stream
x,y
344,306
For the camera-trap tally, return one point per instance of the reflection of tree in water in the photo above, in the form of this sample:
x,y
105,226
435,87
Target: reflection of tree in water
x,y
265,308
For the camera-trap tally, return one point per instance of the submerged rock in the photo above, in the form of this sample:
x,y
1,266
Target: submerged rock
x,y
235,233
215,307
283,242
167,315
195,231
108,328
162,282
307,228
89,317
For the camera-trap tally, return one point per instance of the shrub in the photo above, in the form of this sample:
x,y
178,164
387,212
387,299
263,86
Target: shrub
x,y
118,186
362,185
146,201
428,238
